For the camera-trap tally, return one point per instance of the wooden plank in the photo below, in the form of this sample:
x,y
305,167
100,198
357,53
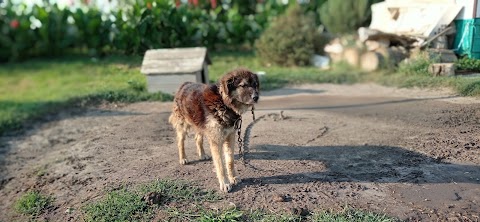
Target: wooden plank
x,y
157,67
176,61
176,53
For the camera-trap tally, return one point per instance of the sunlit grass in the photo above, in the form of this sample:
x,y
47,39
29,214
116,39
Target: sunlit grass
x,y
183,201
31,89
33,203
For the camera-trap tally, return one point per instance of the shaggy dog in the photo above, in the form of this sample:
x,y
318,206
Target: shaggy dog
x,y
212,111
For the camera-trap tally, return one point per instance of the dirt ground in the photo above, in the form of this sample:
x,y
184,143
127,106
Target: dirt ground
x,y
409,153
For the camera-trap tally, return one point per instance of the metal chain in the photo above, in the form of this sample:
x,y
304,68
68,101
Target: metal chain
x,y
253,113
238,126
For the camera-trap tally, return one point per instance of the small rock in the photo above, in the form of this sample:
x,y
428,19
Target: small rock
x,y
152,198
300,211
278,198
69,210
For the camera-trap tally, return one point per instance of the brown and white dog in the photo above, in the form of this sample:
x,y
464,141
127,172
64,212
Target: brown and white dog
x,y
211,110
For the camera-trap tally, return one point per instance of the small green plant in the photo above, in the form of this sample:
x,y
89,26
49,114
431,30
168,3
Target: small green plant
x,y
173,190
468,64
416,66
40,171
128,204
33,203
289,41
470,88
229,215
119,205
349,214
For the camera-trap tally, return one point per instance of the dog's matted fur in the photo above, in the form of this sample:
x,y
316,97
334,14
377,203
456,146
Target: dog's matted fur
x,y
212,110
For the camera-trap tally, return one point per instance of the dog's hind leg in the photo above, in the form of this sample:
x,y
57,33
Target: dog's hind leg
x,y
200,150
228,149
181,134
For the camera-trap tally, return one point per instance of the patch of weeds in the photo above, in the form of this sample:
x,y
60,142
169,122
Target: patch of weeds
x,y
469,88
175,191
40,171
129,204
33,203
201,214
468,64
137,85
126,96
265,217
119,205
229,215
348,215
416,66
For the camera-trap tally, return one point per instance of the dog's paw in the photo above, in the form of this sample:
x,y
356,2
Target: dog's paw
x,y
205,157
226,187
183,161
234,180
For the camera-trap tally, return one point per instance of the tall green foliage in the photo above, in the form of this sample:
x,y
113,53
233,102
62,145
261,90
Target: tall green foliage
x,y
345,16
289,41
132,28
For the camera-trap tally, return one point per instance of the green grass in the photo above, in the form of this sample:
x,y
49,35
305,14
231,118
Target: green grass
x,y
120,205
276,76
33,203
348,215
182,201
127,205
412,75
31,89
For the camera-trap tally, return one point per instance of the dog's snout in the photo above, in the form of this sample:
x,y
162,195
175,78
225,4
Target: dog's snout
x,y
255,97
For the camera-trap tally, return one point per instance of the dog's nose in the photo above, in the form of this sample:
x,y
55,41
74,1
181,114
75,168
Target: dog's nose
x,y
255,98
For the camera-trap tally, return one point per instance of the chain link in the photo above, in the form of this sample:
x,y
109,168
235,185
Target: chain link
x,y
238,127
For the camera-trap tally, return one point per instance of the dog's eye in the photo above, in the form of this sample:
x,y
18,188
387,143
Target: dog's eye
x,y
242,85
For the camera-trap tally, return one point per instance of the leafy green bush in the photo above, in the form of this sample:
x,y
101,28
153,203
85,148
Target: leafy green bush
x,y
53,33
16,37
289,41
133,28
32,203
92,31
468,64
345,16
417,65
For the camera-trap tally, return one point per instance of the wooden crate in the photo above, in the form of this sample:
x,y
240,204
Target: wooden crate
x,y
167,69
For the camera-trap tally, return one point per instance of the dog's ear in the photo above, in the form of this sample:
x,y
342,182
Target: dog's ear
x,y
227,83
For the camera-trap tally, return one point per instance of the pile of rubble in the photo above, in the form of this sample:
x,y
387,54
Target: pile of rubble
x,y
401,30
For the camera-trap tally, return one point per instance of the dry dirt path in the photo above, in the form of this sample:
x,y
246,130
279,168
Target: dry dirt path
x,y
412,154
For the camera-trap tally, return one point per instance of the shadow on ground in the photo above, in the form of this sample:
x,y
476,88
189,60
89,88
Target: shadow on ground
x,y
382,164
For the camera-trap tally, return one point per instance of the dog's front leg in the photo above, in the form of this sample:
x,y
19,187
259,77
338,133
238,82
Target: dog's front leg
x,y
228,149
218,162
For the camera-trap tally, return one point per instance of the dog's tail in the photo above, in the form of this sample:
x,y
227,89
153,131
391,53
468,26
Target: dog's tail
x,y
173,117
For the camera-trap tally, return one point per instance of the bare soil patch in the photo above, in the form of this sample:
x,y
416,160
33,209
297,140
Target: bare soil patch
x,y
412,154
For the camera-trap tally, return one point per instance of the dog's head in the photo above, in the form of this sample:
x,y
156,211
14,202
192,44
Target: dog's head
x,y
240,86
